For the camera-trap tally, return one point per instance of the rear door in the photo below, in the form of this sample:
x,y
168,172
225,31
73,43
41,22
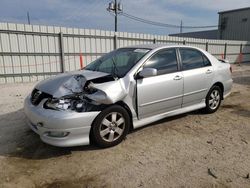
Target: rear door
x,y
198,75
163,92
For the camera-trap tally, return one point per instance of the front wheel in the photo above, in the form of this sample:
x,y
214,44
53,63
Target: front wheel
x,y
110,126
213,99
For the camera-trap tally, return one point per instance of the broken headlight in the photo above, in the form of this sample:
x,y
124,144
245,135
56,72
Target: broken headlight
x,y
66,104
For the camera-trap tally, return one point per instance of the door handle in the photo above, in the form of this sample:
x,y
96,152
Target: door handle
x,y
177,77
209,71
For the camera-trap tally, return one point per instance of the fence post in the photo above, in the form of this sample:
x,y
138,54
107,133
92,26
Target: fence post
x,y
241,48
61,52
225,51
241,55
115,41
207,46
154,40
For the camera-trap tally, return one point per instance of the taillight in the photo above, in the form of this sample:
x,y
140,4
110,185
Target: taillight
x,y
231,69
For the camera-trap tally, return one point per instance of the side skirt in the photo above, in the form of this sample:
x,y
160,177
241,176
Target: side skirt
x,y
139,123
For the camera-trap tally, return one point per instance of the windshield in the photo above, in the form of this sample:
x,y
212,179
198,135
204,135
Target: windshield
x,y
118,62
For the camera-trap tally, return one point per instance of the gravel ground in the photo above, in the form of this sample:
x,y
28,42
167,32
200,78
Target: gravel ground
x,y
190,150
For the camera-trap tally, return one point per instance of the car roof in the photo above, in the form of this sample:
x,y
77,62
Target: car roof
x,y
159,46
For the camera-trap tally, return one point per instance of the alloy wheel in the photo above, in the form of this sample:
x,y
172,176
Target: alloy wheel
x,y
214,99
112,127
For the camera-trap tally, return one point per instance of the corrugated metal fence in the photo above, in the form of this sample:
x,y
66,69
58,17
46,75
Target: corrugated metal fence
x,y
34,52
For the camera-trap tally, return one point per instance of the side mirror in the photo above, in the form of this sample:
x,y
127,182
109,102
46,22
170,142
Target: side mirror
x,y
147,72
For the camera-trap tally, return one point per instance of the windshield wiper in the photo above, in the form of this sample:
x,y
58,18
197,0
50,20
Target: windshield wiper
x,y
115,70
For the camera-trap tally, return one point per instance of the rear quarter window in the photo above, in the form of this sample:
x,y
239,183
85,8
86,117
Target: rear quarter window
x,y
206,61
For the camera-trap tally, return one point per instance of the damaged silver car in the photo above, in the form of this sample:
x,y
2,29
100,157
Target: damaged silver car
x,y
123,90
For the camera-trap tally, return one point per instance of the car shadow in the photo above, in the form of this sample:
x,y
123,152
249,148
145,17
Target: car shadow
x,y
172,118
17,140
164,120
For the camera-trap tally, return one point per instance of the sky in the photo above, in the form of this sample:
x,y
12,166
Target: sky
x,y
92,14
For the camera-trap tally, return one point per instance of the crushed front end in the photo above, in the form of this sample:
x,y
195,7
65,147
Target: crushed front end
x,y
62,109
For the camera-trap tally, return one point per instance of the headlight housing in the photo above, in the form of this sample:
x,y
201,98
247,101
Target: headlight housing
x,y
58,104
66,104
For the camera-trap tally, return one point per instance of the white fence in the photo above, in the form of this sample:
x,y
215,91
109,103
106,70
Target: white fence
x,y
34,52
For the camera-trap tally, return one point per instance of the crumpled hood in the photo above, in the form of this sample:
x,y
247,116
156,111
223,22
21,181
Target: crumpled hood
x,y
68,83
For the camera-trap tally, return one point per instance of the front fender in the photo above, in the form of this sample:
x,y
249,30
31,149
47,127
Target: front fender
x,y
108,92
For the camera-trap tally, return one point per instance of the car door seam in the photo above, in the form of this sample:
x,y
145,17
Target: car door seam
x,y
194,92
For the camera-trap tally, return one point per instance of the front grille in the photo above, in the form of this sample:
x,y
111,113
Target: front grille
x,y
37,96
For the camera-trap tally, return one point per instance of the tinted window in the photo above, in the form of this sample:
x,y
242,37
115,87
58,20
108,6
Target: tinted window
x,y
164,61
191,59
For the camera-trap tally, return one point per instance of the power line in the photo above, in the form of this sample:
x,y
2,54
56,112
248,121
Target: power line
x,y
163,24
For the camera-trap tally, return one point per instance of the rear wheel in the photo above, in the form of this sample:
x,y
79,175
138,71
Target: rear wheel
x,y
111,126
213,99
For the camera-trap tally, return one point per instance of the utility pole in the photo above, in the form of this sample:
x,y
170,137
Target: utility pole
x,y
181,27
115,8
28,17
116,15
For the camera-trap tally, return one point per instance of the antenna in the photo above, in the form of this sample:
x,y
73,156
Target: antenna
x,y
28,17
181,27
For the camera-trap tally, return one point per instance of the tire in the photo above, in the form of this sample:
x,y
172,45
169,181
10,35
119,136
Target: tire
x,y
110,127
213,100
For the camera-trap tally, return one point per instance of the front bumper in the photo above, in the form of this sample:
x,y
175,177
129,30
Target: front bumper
x,y
42,121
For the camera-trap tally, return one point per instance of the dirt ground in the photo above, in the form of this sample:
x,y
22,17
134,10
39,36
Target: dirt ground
x,y
190,150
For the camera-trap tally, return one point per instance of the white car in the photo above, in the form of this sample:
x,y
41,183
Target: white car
x,y
126,89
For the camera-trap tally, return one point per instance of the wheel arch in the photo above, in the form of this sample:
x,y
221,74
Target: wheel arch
x,y
221,86
125,106
120,104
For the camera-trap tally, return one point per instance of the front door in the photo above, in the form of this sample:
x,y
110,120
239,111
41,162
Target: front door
x,y
163,92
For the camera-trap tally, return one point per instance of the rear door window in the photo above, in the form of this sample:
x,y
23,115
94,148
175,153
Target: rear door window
x,y
191,59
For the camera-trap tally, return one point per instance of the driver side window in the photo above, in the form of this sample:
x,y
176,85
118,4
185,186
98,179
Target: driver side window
x,y
164,62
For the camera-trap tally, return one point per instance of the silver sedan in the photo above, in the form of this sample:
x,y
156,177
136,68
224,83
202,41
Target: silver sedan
x,y
123,90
